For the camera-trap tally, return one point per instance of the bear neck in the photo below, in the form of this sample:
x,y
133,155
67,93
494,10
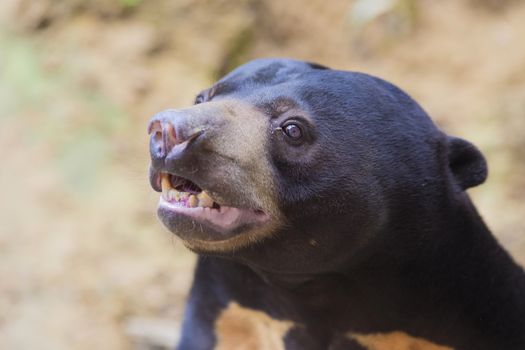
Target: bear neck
x,y
453,268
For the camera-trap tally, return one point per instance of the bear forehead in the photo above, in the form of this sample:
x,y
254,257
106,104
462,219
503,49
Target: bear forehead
x,y
271,71
326,93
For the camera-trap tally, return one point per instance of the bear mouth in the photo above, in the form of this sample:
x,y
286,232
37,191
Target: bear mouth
x,y
180,192
183,204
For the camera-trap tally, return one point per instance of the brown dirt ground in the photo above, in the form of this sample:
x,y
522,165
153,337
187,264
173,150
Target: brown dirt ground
x,y
81,252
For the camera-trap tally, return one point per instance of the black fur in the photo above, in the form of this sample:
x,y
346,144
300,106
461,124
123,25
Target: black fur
x,y
380,235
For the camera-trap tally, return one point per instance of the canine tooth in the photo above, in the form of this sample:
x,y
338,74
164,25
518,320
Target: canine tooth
x,y
173,194
193,201
205,200
165,182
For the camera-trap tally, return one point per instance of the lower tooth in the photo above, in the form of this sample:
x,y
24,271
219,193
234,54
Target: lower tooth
x,y
205,200
193,201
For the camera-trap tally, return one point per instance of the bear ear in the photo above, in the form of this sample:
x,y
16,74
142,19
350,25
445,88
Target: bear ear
x,y
466,163
314,65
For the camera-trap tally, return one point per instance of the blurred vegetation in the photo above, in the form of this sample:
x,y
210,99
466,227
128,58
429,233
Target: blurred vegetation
x,y
82,256
80,146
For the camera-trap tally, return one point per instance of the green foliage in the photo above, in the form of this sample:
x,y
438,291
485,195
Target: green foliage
x,y
398,15
75,123
237,52
22,81
129,3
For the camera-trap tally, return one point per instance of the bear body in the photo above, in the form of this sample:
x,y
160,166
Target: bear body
x,y
329,212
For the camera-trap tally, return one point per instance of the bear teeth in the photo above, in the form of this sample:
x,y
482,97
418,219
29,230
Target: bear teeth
x,y
186,199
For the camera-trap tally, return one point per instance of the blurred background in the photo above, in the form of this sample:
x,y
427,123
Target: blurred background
x,y
84,263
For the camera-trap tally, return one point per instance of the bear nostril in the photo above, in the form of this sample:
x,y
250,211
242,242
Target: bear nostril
x,y
163,137
157,147
154,127
169,136
156,140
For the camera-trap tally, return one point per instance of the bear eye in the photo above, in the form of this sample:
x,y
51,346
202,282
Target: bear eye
x,y
199,99
293,131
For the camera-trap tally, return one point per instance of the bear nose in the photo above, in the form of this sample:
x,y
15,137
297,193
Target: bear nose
x,y
169,137
162,139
